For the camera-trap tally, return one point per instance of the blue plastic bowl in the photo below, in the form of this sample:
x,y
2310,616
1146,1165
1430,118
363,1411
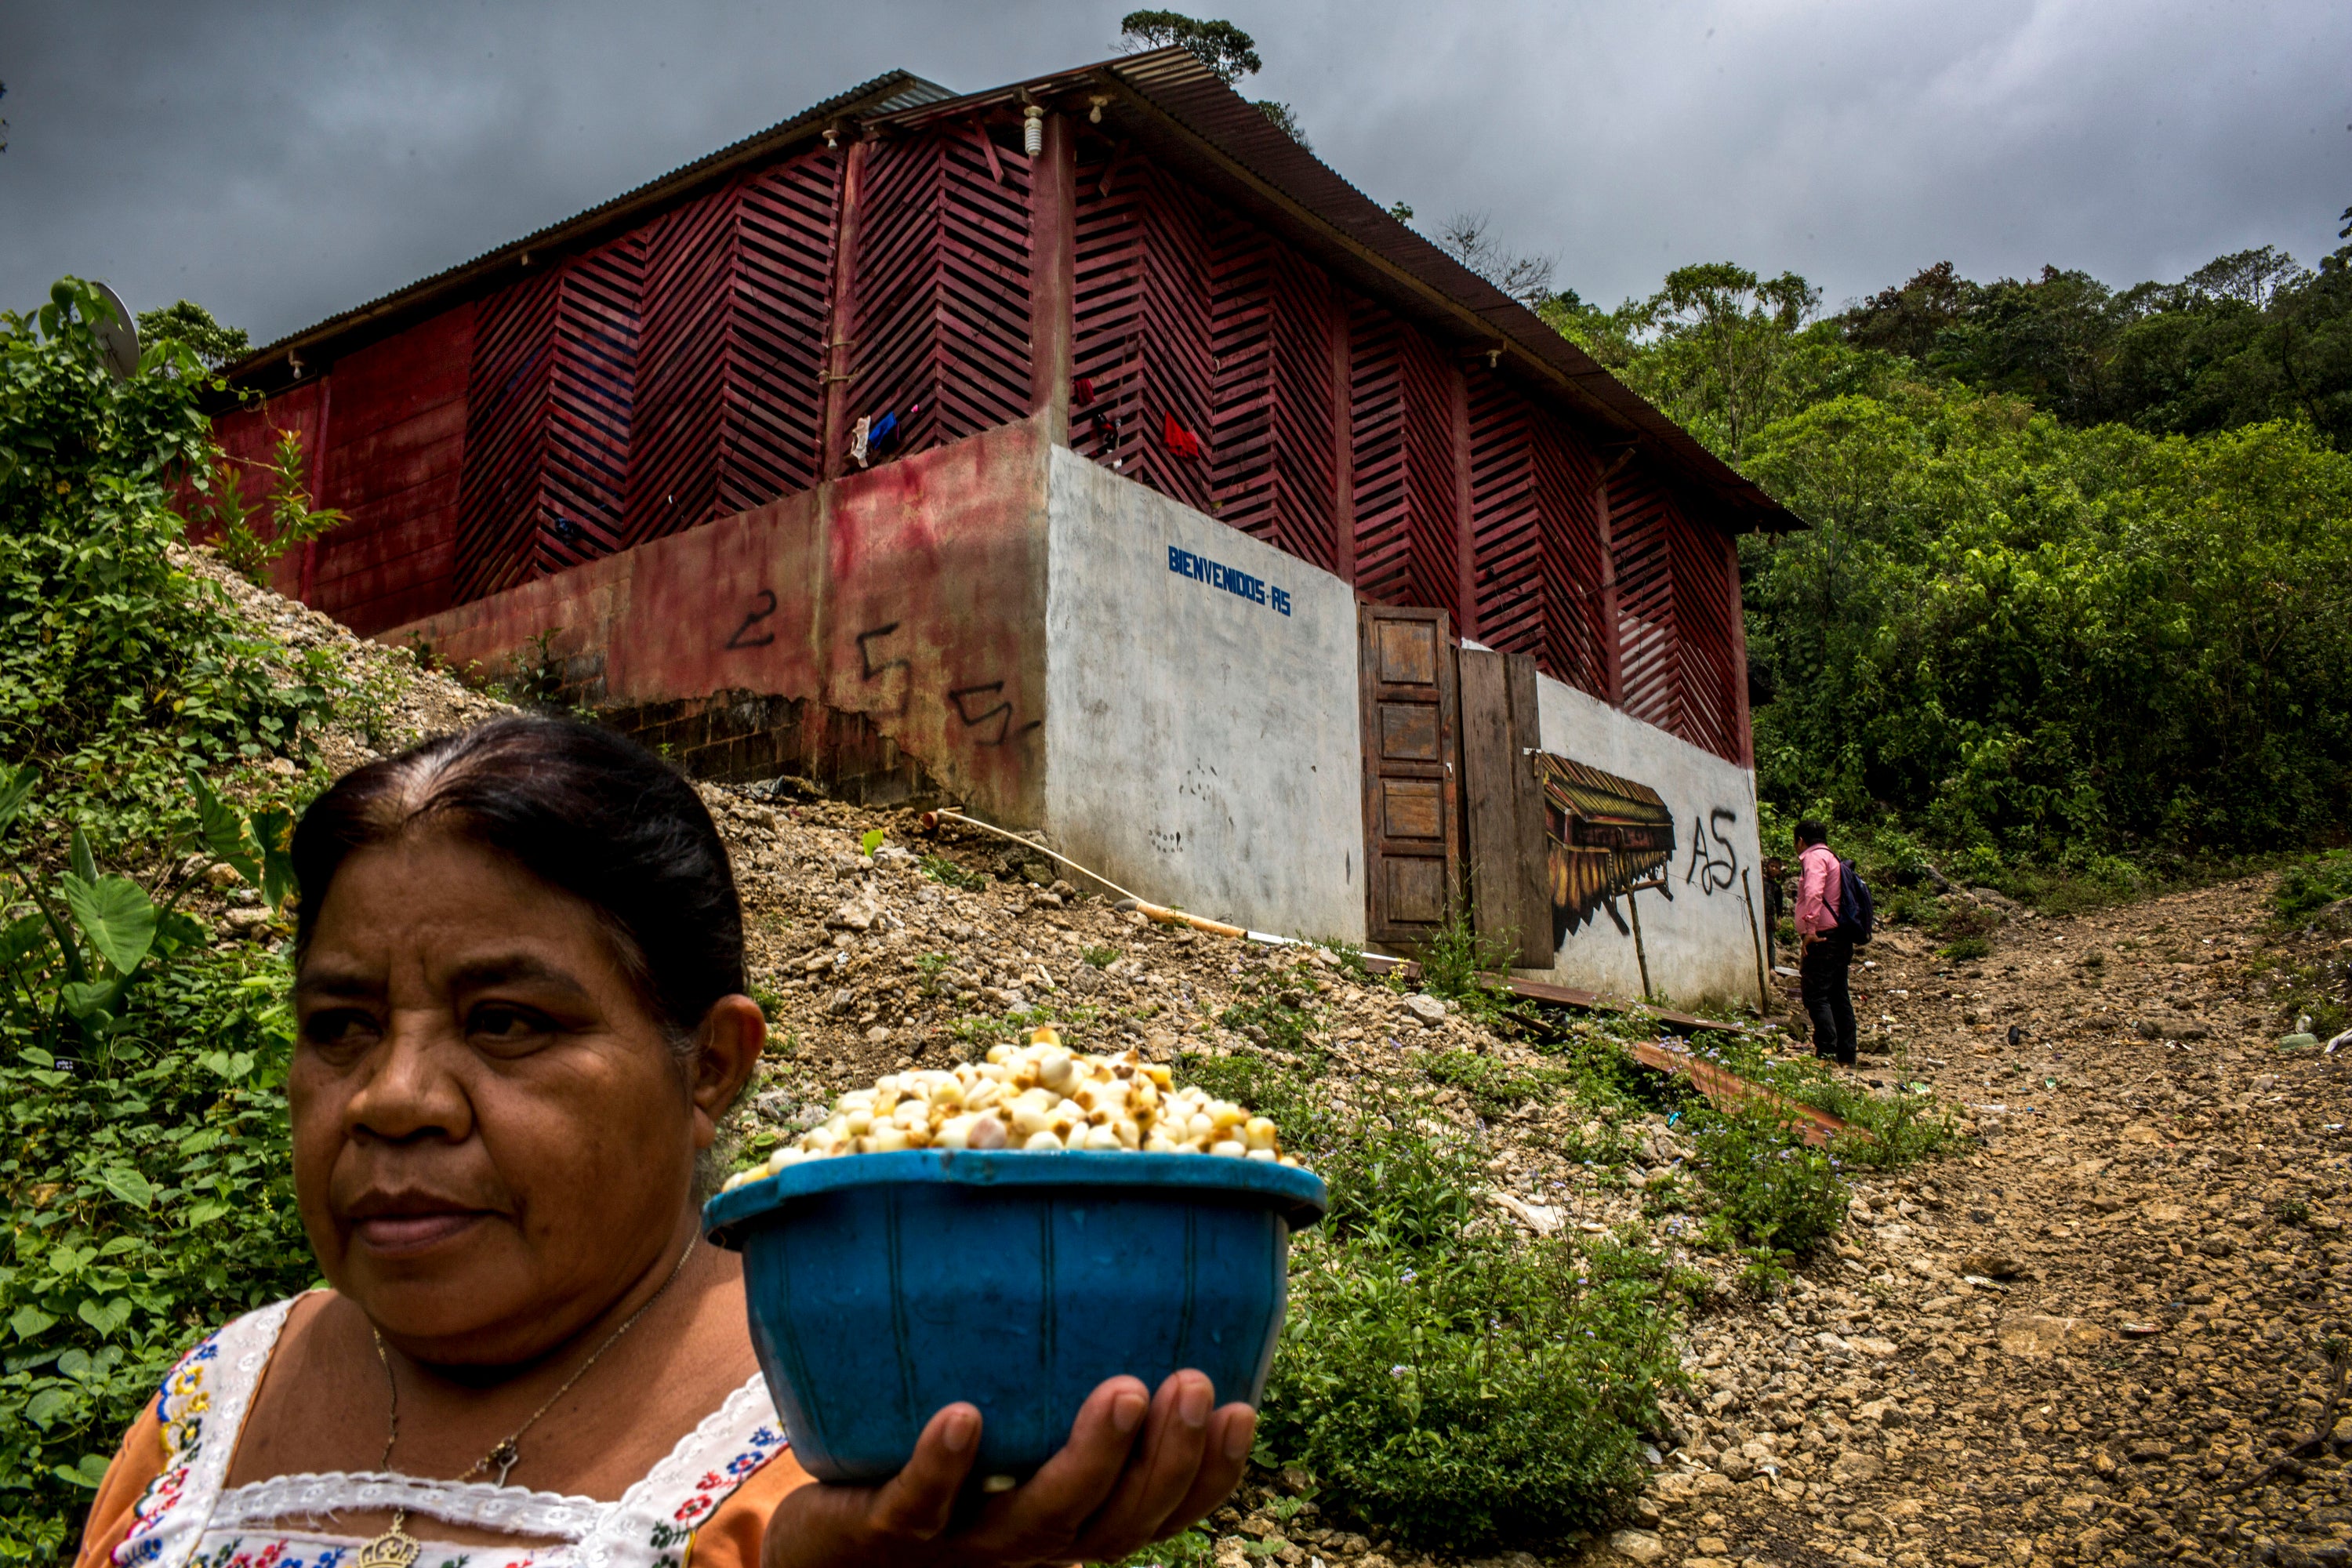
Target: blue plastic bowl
x,y
883,1287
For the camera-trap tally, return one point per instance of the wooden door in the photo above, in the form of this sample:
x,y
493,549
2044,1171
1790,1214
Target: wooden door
x,y
1411,813
1510,899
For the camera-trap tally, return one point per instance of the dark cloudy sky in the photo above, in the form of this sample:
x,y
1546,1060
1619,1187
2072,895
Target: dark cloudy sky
x,y
280,161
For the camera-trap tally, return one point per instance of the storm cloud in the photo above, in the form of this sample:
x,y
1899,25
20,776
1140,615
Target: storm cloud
x,y
278,163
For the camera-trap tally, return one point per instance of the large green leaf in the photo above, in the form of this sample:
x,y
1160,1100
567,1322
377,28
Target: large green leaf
x,y
129,1186
104,1316
94,1001
224,830
81,861
116,914
274,831
15,787
28,1320
43,1407
23,939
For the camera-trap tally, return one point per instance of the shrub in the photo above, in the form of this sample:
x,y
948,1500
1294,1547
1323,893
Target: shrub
x,y
2305,889
1770,1188
1966,949
148,1193
1495,1088
1471,1398
145,1207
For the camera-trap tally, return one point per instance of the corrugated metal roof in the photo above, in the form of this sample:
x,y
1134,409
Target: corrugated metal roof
x,y
1235,145
889,93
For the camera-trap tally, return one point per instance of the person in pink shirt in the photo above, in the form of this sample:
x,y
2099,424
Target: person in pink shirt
x,y
1828,950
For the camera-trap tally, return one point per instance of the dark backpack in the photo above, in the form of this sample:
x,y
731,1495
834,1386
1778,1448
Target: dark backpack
x,y
1856,913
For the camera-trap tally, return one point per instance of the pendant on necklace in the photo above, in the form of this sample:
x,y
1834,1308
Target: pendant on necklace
x,y
395,1548
506,1457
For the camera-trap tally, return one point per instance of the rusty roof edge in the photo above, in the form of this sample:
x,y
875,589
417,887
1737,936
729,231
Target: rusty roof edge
x,y
1412,259
878,91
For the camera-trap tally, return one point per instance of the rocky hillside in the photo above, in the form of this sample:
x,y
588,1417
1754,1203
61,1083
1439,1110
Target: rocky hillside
x,y
2106,1328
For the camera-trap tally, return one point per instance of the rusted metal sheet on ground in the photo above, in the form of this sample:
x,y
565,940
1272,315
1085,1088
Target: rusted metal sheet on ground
x,y
1728,1090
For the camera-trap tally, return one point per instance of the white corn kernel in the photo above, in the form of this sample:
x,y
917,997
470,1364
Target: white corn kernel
x,y
1037,1095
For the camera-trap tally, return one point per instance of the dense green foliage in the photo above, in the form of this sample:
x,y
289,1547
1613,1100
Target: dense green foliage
x,y
2306,889
190,324
144,1177
1437,1376
2055,609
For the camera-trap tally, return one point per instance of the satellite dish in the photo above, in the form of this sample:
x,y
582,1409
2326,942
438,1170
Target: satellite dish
x,y
118,340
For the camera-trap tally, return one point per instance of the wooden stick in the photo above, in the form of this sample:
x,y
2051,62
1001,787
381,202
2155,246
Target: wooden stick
x,y
1756,935
1640,955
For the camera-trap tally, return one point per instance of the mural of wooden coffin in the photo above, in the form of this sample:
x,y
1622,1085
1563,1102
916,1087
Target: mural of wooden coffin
x,y
1606,836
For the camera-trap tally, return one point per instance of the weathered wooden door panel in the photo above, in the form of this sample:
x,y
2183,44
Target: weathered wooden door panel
x,y
1412,811
1502,803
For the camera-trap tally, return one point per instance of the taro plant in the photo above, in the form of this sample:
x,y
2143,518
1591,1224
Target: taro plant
x,y
89,938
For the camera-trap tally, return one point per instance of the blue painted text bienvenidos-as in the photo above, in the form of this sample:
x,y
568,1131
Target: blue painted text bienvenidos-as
x,y
1241,585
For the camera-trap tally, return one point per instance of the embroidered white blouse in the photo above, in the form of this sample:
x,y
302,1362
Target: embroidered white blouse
x,y
187,1518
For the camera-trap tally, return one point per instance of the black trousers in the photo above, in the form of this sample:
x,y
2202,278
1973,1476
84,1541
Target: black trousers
x,y
1828,1004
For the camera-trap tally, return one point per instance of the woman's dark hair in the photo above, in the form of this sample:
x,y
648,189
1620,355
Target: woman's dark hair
x,y
578,807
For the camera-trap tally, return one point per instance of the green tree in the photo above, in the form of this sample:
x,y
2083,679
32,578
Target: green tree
x,y
142,1166
191,323
1218,44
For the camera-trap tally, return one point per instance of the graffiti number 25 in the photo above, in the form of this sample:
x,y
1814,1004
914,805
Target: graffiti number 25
x,y
766,608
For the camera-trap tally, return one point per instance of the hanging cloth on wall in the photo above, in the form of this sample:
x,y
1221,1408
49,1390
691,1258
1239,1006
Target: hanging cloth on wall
x,y
1181,442
873,437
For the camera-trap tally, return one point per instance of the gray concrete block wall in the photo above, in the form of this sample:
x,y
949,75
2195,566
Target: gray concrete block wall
x,y
1202,745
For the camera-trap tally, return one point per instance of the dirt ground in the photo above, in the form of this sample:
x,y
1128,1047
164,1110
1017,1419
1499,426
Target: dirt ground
x,y
2089,1340
2091,1336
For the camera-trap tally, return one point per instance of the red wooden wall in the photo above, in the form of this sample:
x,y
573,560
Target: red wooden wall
x,y
675,375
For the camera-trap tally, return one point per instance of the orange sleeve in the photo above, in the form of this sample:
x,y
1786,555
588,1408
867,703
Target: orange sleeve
x,y
732,1537
136,1465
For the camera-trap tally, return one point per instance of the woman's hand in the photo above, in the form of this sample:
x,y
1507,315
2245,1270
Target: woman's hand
x,y
1137,1468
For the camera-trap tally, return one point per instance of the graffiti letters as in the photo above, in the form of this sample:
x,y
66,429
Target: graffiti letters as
x,y
1714,864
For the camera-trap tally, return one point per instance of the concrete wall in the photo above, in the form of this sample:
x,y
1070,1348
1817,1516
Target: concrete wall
x,y
881,632
1698,941
1200,745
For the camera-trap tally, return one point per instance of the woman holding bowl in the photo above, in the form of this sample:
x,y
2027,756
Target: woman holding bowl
x,y
520,987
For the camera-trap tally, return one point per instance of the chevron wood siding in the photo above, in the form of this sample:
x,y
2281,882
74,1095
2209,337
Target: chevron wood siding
x,y
1577,632
775,403
1705,600
1144,336
1508,517
504,485
1401,416
942,332
592,403
1674,605
675,373
678,449
1269,436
